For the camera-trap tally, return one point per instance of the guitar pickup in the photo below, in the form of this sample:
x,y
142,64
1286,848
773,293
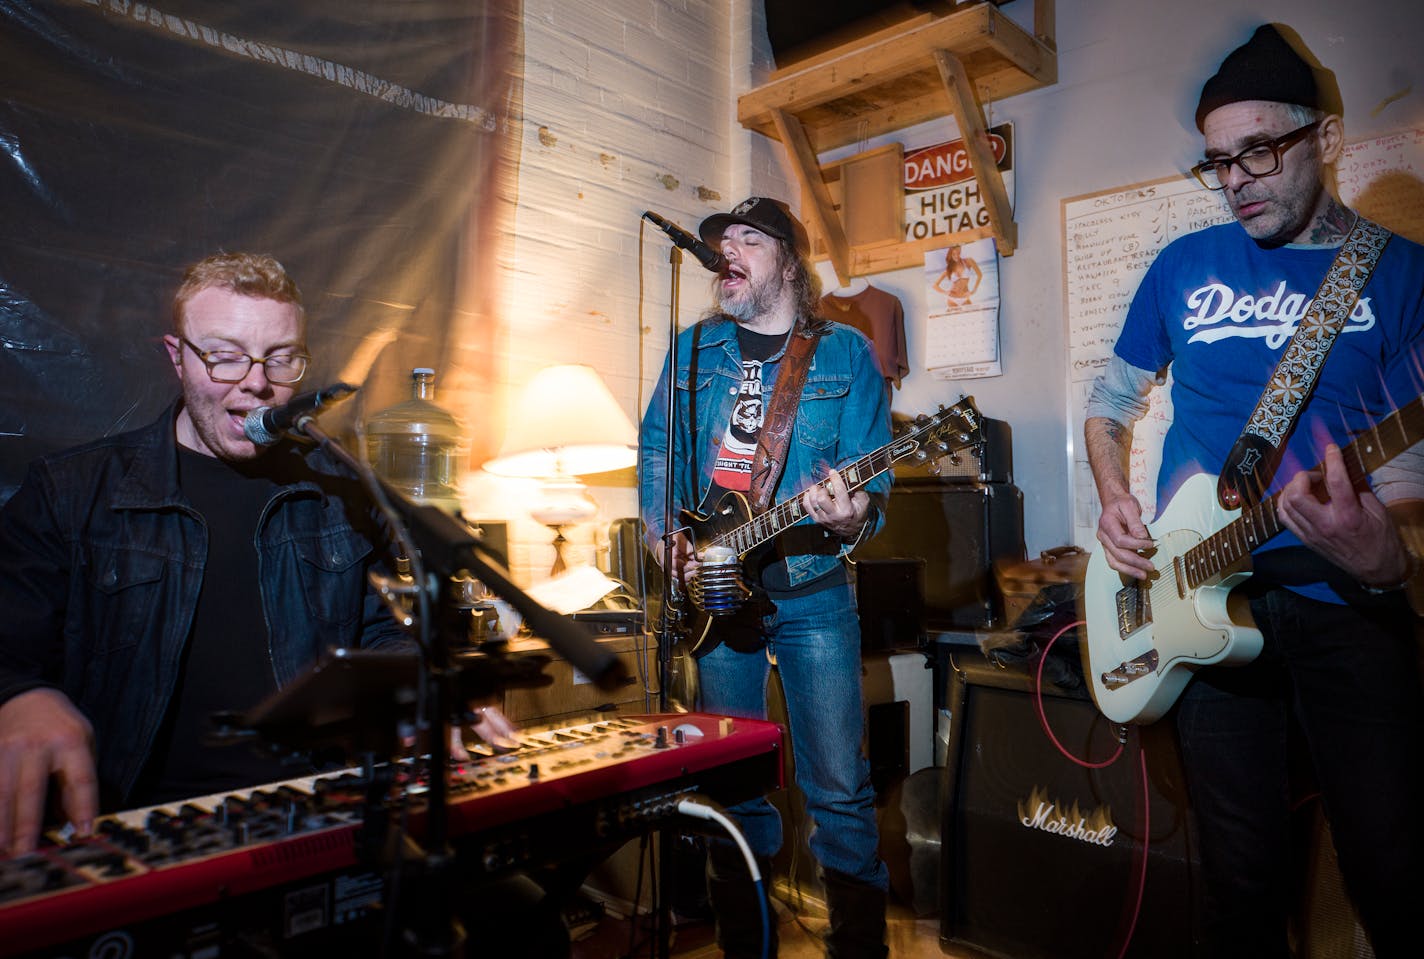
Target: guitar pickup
x,y
1126,672
1134,607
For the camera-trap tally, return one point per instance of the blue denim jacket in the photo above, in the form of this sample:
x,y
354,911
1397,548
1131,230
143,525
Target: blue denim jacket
x,y
844,414
101,562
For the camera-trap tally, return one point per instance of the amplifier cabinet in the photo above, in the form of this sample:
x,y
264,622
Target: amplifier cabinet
x,y
890,597
959,530
1041,856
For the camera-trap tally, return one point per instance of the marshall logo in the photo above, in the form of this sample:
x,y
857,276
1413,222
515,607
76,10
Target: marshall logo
x,y
1040,813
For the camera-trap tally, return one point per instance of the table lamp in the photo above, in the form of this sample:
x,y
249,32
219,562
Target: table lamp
x,y
564,424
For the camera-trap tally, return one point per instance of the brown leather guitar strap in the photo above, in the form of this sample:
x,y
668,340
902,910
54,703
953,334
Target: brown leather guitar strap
x,y
770,457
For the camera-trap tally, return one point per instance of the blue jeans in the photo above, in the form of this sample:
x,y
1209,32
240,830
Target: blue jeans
x,y
1347,681
816,641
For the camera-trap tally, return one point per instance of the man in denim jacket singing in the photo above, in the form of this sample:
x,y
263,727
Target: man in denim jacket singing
x,y
152,578
802,614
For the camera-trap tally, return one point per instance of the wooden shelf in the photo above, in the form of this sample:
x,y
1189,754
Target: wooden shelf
x,y
929,66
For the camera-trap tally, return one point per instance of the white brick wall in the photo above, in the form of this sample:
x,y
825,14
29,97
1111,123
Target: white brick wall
x,y
628,105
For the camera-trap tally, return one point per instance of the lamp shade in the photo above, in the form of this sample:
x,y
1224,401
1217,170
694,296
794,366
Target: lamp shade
x,y
566,423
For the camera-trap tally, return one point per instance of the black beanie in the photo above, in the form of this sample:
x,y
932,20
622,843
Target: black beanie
x,y
1266,67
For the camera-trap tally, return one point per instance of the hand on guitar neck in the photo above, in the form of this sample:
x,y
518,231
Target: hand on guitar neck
x,y
1345,523
833,506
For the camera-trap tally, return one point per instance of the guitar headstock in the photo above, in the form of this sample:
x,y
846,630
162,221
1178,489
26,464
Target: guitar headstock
x,y
942,433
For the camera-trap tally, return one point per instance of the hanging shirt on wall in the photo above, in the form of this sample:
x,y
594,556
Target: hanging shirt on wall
x,y
880,317
733,469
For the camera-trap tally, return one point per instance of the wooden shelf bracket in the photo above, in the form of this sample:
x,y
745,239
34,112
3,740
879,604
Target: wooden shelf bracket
x,y
928,66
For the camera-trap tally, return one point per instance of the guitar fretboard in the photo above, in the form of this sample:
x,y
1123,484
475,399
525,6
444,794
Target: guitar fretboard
x,y
1228,546
782,516
770,524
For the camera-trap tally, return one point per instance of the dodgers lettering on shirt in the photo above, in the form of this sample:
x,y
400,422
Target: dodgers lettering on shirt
x,y
1219,312
1220,309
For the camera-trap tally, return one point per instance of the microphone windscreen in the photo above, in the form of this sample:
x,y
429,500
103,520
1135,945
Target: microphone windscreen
x,y
256,430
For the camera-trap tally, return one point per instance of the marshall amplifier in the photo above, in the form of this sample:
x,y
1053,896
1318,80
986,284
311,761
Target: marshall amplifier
x,y
1042,858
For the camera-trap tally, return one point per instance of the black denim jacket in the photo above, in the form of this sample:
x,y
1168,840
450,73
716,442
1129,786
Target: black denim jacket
x,y
101,562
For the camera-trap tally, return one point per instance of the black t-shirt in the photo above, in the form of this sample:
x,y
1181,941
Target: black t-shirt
x,y
226,663
733,469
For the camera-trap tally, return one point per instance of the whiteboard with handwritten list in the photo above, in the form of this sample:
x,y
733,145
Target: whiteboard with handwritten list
x,y
1111,237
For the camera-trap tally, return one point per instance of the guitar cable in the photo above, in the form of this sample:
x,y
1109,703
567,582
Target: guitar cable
x,y
696,809
1086,764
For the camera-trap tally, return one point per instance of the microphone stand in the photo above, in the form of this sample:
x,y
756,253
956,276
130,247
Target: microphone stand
x,y
438,546
670,628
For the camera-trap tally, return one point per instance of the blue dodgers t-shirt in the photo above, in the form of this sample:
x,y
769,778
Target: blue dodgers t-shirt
x,y
1220,309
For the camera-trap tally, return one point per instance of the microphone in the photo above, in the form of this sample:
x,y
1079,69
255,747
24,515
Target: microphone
x,y
707,256
265,425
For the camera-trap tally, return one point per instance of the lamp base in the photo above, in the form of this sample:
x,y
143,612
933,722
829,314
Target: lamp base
x,y
560,565
563,501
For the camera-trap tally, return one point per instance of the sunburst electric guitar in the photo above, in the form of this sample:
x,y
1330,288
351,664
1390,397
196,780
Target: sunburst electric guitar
x,y
731,525
1145,638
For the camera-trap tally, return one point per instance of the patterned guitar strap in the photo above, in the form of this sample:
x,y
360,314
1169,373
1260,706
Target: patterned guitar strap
x,y
1253,460
770,456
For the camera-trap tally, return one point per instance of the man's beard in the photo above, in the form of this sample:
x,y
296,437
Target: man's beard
x,y
757,299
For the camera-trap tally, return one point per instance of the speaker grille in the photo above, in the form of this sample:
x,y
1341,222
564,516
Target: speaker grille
x,y
1030,870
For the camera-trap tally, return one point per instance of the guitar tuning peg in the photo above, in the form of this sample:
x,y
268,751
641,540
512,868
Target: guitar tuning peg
x,y
940,447
922,419
920,456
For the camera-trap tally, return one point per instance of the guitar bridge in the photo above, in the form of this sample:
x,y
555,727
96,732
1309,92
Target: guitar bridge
x,y
1124,673
1134,607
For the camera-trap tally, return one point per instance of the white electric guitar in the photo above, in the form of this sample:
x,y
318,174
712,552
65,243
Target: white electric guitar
x,y
1145,638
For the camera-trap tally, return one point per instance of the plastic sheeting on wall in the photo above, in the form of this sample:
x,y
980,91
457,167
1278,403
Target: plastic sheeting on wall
x,y
352,139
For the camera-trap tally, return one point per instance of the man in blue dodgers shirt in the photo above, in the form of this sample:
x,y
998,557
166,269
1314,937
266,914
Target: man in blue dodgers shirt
x,y
1338,674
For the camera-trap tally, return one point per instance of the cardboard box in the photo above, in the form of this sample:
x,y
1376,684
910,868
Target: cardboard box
x,y
1020,582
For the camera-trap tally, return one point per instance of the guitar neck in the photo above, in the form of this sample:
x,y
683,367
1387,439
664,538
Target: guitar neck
x,y
767,526
1373,448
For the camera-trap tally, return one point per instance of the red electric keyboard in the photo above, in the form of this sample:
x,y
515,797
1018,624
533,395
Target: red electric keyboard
x,y
560,792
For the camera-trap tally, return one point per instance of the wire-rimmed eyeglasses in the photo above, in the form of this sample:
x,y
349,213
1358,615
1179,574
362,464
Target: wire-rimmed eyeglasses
x,y
1258,160
230,366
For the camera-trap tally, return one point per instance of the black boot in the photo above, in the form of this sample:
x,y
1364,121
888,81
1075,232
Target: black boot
x,y
857,914
737,903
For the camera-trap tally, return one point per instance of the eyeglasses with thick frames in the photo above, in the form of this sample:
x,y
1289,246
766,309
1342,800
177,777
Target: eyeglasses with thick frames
x,y
1259,160
230,366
